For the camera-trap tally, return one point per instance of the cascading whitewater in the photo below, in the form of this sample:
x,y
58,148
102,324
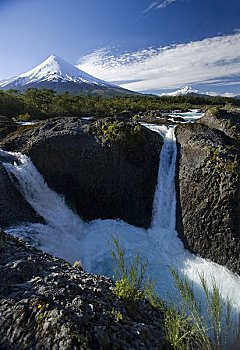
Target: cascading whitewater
x,y
61,222
66,236
164,207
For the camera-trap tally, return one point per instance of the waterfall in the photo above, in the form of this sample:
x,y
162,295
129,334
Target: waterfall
x,y
57,236
65,235
164,206
46,202
162,233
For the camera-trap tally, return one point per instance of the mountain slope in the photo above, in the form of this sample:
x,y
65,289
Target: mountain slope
x,y
55,73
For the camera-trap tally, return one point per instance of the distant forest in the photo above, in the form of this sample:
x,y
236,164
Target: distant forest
x,y
41,104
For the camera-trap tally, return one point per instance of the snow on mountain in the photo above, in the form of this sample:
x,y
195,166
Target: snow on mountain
x,y
54,69
186,90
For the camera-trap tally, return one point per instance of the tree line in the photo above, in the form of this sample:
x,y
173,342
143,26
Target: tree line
x,y
44,103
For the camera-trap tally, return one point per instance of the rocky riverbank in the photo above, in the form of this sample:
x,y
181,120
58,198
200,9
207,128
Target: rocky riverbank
x,y
45,303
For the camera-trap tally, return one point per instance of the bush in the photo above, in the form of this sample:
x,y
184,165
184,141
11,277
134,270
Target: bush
x,y
110,130
131,284
187,328
23,117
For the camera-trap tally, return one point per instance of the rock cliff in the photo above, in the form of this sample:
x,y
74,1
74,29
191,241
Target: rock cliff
x,y
104,169
208,188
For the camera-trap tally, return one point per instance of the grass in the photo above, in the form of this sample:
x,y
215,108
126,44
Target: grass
x,y
186,327
132,283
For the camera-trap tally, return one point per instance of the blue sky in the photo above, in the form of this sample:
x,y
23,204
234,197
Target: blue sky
x,y
142,45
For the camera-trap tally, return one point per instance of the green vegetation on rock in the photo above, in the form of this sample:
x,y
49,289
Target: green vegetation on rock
x,y
225,159
110,130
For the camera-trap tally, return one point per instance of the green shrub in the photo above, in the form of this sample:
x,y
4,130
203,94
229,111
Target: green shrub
x,y
225,159
117,315
112,130
178,329
109,130
77,264
23,117
187,328
131,284
215,111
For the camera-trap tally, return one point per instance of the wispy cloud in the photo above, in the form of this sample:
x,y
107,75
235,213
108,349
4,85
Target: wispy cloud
x,y
210,60
226,94
159,4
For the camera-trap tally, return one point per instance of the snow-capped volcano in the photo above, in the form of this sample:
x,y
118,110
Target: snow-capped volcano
x,y
61,76
186,90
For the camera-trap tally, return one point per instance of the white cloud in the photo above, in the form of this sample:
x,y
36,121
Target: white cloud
x,y
159,4
226,94
210,60
151,6
165,4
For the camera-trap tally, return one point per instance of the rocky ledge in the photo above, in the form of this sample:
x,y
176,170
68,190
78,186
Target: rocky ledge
x,y
105,169
45,303
208,187
225,121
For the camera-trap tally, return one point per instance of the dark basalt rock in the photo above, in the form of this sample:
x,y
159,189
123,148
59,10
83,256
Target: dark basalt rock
x,y
226,121
45,303
6,126
100,174
14,209
208,191
177,119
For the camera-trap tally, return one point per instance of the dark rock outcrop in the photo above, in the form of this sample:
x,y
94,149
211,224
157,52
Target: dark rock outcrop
x,y
45,303
208,191
104,170
6,126
226,121
14,209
